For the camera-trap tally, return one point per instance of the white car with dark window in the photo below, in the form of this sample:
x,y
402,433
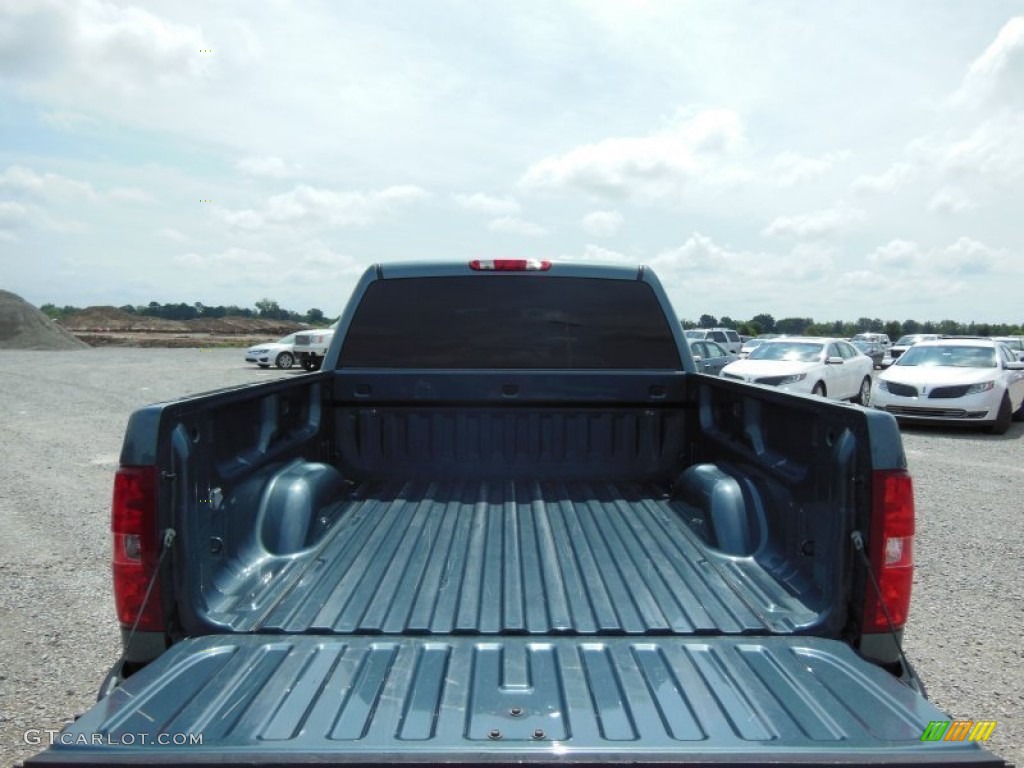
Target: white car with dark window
x,y
726,337
279,353
973,381
903,343
825,367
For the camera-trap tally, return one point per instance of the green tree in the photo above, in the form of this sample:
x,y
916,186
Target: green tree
x,y
708,321
910,326
949,326
269,309
315,316
793,326
765,322
893,329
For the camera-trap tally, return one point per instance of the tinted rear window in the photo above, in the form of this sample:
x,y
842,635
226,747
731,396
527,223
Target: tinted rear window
x,y
509,322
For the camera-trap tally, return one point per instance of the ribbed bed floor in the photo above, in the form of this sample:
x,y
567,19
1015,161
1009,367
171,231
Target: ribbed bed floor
x,y
524,557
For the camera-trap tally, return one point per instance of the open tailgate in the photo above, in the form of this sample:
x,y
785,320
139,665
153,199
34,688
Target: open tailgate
x,y
296,700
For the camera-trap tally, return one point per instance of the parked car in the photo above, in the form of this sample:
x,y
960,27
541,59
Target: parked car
x,y
903,343
975,381
280,353
727,337
710,357
749,344
881,338
819,366
1015,343
872,349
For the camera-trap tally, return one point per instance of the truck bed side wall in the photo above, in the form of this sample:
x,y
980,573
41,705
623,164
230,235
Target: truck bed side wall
x,y
760,475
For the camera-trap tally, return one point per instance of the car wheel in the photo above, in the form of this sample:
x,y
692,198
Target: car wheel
x,y
1003,419
864,395
819,389
284,361
307,364
1018,415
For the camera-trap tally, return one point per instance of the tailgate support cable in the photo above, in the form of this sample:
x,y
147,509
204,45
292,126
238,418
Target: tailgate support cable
x,y
114,675
858,544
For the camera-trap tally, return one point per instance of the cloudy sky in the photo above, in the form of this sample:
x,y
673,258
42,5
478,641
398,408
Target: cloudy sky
x,y
832,160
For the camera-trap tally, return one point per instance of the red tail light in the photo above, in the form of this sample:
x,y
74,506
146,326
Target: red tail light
x,y
136,548
891,549
510,265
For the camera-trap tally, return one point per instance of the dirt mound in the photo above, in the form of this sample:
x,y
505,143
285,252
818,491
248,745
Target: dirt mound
x,y
22,326
243,325
95,319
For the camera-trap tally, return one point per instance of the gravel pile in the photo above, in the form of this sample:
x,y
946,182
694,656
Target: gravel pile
x,y
62,419
22,326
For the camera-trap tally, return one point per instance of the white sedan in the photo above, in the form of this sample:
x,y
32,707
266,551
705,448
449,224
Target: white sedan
x,y
279,353
978,381
819,366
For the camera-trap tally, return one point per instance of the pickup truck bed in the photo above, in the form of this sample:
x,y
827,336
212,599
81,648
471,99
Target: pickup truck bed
x,y
510,556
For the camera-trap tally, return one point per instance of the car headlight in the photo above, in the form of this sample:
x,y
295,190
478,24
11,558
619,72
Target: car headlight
x,y
882,385
792,379
983,386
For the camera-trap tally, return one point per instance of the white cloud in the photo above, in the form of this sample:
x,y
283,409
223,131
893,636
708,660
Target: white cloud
x,y
896,254
692,148
602,223
858,279
791,168
99,46
993,148
69,121
969,257
231,257
950,201
998,73
827,222
267,166
48,186
965,257
699,252
513,226
488,204
307,206
130,195
174,235
595,253
891,179
13,214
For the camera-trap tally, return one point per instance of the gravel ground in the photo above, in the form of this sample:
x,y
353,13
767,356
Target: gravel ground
x,y
62,418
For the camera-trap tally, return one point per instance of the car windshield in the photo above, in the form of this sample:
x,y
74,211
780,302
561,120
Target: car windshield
x,y
950,356
1016,344
751,343
289,339
694,334
906,341
796,351
863,344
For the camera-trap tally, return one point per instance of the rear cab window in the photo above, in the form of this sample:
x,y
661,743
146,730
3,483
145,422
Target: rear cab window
x,y
520,322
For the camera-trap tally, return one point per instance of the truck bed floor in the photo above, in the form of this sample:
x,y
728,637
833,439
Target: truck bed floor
x,y
522,557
